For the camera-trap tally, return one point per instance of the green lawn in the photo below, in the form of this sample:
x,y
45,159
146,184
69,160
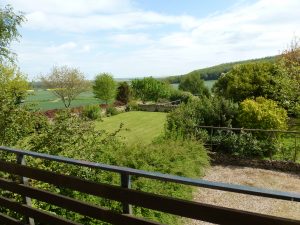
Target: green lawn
x,y
44,100
139,127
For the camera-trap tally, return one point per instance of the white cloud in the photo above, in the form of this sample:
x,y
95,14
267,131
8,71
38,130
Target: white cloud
x,y
93,15
71,7
94,22
61,48
131,39
245,31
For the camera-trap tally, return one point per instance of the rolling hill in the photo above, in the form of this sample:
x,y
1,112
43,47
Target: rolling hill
x,y
213,73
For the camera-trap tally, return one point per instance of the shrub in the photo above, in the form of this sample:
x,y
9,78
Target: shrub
x,y
214,111
262,113
111,111
182,157
91,112
244,144
246,81
183,96
123,92
132,106
297,110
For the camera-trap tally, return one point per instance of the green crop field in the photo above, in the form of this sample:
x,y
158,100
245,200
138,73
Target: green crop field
x,y
139,127
45,100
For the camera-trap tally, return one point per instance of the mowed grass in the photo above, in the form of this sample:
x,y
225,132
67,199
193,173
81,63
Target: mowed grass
x,y
44,100
139,127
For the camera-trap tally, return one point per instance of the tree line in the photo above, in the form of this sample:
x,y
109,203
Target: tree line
x,y
214,72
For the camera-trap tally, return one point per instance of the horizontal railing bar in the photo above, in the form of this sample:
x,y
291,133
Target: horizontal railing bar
x,y
37,214
248,129
165,177
74,205
7,220
194,210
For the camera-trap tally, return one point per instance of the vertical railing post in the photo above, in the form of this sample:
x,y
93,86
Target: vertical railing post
x,y
126,183
296,149
24,180
211,134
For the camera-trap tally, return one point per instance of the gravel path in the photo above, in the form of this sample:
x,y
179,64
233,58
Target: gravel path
x,y
251,177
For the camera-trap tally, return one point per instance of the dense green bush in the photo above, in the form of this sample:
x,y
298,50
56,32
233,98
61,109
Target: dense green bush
x,y
16,120
132,106
91,112
183,157
124,92
246,81
214,111
183,96
262,113
244,144
111,111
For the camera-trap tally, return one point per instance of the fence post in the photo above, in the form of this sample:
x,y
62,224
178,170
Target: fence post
x,y
24,180
126,183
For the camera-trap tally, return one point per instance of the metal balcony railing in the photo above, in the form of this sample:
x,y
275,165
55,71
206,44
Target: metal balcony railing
x,y
123,194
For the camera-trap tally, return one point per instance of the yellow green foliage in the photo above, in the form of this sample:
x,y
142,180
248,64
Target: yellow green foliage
x,y
262,113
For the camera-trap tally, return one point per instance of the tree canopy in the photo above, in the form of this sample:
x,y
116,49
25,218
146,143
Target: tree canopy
x,y
246,81
150,89
289,69
13,84
194,84
65,82
9,23
104,87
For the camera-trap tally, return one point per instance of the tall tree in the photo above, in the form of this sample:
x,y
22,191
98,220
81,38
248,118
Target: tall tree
x,y
289,70
124,92
65,82
16,121
194,84
104,87
150,89
9,22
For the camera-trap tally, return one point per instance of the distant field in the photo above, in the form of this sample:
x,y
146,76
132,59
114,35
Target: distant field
x,y
138,127
45,100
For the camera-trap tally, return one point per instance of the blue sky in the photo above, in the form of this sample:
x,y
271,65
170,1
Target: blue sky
x,y
135,38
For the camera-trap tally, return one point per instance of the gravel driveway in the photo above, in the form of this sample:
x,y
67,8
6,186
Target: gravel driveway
x,y
251,177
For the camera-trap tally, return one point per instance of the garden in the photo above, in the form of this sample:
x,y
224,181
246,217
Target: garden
x,y
253,105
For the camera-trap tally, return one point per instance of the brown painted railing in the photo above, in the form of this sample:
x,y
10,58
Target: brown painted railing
x,y
123,194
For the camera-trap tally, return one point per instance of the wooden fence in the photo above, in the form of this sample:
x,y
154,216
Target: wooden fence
x,y
123,194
